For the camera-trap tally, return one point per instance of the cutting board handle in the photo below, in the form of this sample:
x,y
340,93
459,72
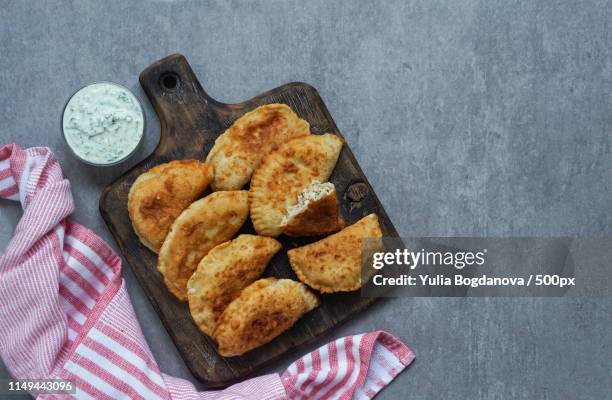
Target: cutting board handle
x,y
183,107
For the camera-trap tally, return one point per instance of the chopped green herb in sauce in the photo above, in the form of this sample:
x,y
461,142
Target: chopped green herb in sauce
x,y
103,123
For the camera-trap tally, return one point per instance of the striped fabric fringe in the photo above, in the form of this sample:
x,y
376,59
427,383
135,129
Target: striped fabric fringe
x,y
65,312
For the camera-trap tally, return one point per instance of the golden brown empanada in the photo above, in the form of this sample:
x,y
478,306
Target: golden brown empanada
x,y
284,173
204,224
333,264
316,212
263,311
159,195
239,150
223,273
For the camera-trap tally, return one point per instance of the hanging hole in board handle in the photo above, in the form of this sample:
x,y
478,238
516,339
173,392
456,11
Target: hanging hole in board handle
x,y
169,81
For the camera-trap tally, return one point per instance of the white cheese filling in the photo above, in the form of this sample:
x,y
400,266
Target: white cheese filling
x,y
312,192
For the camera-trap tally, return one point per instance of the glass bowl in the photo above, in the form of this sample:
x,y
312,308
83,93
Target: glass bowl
x,y
128,154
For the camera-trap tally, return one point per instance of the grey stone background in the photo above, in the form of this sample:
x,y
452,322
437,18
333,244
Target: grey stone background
x,y
468,117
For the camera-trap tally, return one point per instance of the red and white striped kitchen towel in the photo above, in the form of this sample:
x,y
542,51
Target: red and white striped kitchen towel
x,y
65,312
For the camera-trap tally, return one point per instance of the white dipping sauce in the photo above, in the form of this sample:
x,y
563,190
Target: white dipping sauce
x,y
103,123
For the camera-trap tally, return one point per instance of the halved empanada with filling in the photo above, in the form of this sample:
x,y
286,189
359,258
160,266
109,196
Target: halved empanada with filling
x,y
285,173
333,264
223,273
316,212
263,311
239,150
159,195
204,224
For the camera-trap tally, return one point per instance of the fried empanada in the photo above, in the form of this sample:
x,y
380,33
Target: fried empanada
x,y
263,311
223,273
333,264
158,196
239,150
316,212
285,173
204,224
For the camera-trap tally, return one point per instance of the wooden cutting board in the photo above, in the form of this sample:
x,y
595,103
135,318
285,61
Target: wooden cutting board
x,y
190,122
